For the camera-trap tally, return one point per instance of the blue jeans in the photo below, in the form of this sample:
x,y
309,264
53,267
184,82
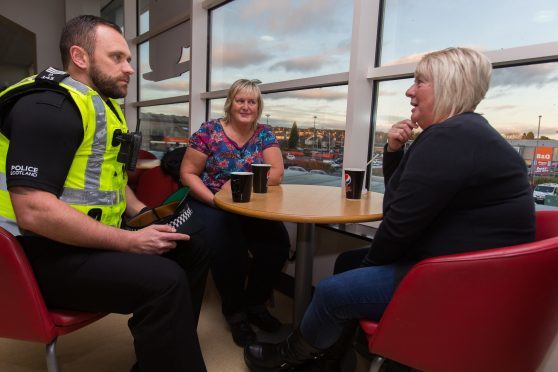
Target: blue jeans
x,y
355,294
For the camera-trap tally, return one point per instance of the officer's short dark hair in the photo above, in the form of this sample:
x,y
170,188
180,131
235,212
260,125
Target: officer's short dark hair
x,y
81,31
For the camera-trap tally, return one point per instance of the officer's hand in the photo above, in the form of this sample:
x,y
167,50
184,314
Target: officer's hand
x,y
156,239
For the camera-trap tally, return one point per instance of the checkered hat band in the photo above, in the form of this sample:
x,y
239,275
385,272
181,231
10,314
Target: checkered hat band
x,y
181,218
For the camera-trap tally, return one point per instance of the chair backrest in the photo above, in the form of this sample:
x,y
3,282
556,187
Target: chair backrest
x,y
492,310
23,313
547,224
134,176
154,186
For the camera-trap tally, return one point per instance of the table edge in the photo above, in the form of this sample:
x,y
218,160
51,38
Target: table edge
x,y
238,209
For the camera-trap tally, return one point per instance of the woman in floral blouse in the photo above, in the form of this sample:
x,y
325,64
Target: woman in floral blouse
x,y
247,254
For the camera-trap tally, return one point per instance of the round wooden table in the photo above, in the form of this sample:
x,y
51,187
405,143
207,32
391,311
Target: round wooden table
x,y
306,205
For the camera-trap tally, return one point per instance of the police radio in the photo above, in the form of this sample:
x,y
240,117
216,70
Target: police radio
x,y
130,144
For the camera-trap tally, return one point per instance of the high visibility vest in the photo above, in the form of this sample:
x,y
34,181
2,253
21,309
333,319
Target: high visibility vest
x,y
95,184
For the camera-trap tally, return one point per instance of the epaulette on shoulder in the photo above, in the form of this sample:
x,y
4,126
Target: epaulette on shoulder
x,y
51,75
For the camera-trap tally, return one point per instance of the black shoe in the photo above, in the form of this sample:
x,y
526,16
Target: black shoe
x,y
242,333
262,319
293,354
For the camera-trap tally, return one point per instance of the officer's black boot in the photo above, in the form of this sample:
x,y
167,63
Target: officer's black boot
x,y
289,355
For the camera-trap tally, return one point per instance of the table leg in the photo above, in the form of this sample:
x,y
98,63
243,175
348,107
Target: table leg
x,y
303,270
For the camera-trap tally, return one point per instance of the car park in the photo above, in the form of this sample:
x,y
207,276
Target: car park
x,y
297,169
376,163
544,189
318,171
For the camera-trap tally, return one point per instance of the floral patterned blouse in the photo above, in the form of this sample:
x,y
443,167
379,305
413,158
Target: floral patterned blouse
x,y
225,156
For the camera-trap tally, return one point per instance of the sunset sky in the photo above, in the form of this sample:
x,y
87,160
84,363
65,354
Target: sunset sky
x,y
274,40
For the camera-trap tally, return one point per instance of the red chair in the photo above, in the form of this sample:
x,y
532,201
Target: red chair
x,y
154,186
491,310
134,176
23,313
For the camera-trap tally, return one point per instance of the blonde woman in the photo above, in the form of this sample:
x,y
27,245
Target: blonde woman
x,y
247,254
459,187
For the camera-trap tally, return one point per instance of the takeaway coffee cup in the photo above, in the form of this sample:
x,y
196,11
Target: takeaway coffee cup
x,y
354,178
261,174
241,186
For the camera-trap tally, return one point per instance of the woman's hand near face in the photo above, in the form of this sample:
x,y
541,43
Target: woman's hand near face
x,y
399,134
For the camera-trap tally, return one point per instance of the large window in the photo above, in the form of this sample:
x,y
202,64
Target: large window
x,y
163,74
339,70
164,127
274,40
174,83
411,27
310,127
284,43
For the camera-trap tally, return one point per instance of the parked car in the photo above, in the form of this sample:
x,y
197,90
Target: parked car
x,y
543,190
318,171
290,157
297,169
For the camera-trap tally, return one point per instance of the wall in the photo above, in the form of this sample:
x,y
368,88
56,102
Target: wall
x,y
78,7
45,19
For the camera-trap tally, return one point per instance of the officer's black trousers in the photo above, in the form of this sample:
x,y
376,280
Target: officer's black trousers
x,y
164,294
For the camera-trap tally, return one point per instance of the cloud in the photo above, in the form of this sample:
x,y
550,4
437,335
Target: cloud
x,y
344,45
544,16
499,107
291,18
239,55
411,58
386,121
415,57
176,85
538,75
324,94
388,93
300,64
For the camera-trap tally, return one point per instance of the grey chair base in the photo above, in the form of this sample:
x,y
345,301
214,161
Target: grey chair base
x,y
376,364
52,363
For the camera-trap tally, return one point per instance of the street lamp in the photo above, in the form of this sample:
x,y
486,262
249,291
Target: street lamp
x,y
267,118
315,137
534,162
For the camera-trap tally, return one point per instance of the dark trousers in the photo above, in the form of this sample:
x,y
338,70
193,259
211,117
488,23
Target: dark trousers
x,y
164,294
247,256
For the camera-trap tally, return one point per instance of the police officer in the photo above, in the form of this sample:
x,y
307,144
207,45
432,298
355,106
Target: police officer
x,y
63,193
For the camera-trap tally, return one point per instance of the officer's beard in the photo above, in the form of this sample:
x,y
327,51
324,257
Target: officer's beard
x,y
106,85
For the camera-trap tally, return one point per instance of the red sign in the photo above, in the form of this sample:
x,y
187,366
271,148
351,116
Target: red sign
x,y
543,159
